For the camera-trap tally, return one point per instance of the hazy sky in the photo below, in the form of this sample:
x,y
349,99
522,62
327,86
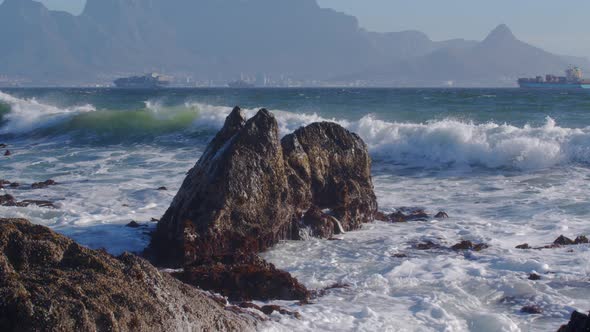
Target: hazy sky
x,y
560,26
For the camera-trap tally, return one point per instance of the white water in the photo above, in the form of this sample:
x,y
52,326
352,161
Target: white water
x,y
533,187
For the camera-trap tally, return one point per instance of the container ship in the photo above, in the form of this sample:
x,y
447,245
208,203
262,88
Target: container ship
x,y
573,79
149,81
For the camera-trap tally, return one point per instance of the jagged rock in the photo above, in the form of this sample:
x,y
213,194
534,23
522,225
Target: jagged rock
x,y
581,240
249,190
563,241
578,323
246,279
50,283
441,215
235,201
133,224
7,153
330,167
468,245
44,184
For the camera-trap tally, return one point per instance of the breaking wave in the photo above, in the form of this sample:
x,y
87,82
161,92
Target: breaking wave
x,y
442,143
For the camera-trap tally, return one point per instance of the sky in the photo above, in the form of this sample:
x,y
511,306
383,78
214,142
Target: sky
x,y
559,26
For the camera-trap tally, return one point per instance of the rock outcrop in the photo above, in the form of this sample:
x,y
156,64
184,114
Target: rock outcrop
x,y
578,323
249,190
330,167
50,283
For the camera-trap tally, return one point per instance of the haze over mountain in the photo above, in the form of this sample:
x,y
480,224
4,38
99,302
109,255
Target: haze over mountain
x,y
219,40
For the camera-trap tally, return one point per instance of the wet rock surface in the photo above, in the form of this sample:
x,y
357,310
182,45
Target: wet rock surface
x,y
578,323
50,283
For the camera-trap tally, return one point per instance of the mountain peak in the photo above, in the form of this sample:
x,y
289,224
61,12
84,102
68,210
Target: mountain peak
x,y
501,33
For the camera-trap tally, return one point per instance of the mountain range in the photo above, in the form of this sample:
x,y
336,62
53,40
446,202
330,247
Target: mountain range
x,y
221,40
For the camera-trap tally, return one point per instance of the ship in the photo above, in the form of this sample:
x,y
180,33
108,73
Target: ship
x,y
149,81
573,79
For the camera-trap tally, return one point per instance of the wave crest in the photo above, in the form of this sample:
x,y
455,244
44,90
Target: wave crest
x,y
443,143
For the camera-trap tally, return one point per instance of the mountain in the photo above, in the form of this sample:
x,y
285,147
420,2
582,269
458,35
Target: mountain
x,y
221,40
498,60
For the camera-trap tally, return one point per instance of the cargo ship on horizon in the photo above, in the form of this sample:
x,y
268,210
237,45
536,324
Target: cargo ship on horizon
x,y
573,79
149,81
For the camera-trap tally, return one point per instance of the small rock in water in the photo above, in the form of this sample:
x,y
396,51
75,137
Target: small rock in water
x,y
162,188
534,276
581,240
468,245
2,145
400,255
269,309
578,323
427,245
405,215
7,153
7,200
441,215
14,185
523,246
133,224
563,241
44,184
45,204
154,220
531,309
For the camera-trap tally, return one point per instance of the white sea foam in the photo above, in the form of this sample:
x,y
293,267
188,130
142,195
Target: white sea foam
x,y
29,114
441,143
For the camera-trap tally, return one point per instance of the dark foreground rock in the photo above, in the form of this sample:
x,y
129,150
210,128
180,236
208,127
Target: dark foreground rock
x,y
50,283
245,280
578,323
250,190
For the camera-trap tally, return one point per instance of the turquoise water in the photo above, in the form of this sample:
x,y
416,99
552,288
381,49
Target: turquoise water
x,y
510,166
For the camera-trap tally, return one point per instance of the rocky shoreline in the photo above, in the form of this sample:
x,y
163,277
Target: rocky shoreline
x,y
249,190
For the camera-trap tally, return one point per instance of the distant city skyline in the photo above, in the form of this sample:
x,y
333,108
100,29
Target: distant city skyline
x,y
558,26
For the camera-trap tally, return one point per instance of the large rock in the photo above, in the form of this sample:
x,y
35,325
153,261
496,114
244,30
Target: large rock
x,y
50,283
235,201
250,190
330,167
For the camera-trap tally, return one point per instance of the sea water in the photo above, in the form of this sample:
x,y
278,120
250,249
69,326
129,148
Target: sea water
x,y
508,166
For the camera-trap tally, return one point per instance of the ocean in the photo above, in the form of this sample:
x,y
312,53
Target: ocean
x,y
509,166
